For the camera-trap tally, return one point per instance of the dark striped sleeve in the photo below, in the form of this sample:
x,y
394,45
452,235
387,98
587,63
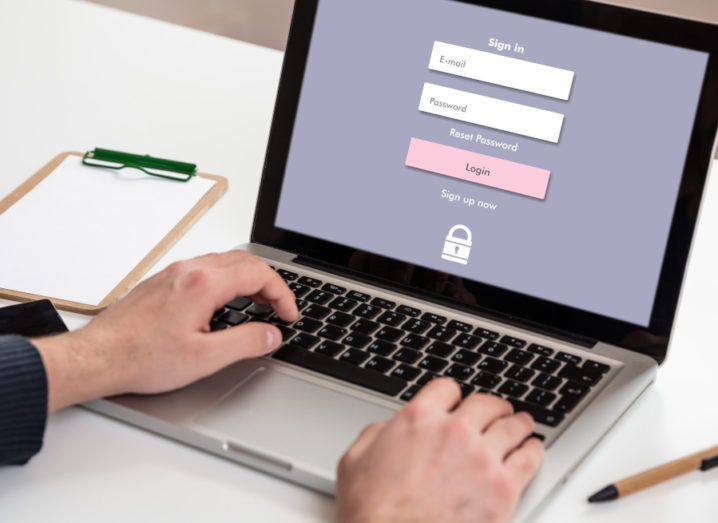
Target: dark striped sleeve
x,y
23,400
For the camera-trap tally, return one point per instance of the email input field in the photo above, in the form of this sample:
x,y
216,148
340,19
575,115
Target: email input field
x,y
491,112
502,70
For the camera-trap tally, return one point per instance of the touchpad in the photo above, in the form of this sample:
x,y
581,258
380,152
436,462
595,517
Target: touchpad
x,y
301,420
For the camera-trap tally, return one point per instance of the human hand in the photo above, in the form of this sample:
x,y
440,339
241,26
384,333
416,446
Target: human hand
x,y
157,338
438,462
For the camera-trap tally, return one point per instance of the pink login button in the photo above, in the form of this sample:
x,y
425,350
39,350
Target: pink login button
x,y
478,168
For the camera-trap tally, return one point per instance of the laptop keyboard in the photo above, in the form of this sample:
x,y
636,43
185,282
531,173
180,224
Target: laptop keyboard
x,y
395,349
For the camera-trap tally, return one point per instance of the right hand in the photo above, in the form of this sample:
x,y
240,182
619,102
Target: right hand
x,y
440,460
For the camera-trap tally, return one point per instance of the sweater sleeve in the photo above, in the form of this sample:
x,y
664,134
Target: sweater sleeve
x,y
23,400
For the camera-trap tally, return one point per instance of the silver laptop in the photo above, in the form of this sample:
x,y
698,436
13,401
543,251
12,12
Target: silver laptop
x,y
503,192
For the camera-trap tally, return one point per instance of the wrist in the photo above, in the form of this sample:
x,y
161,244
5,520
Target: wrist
x,y
78,369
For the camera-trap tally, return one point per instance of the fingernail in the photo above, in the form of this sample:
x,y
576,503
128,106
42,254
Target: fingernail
x,y
272,340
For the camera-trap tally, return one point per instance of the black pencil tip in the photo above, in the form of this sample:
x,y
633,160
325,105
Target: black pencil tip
x,y
605,494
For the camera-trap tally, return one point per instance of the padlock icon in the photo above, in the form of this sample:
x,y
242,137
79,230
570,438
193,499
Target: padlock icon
x,y
456,248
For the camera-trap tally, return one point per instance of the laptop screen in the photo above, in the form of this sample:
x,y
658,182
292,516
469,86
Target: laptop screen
x,y
534,156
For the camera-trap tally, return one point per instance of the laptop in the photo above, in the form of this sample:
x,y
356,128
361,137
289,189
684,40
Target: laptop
x,y
499,191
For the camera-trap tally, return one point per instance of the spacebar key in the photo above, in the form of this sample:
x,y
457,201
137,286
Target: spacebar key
x,y
338,369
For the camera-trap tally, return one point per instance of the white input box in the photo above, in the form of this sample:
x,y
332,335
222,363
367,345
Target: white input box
x,y
502,70
491,112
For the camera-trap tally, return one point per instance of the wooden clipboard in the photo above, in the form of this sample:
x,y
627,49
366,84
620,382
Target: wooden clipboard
x,y
134,274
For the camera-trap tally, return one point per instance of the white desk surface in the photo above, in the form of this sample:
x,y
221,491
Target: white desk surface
x,y
76,76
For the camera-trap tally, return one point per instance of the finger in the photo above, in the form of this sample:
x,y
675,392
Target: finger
x,y
483,409
506,434
365,439
228,346
254,278
442,393
523,463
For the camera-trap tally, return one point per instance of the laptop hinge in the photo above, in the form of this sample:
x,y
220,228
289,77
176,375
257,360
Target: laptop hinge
x,y
544,330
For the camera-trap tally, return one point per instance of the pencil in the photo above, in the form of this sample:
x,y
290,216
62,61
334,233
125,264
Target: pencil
x,y
703,460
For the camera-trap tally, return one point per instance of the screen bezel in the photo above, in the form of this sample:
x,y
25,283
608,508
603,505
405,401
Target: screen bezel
x,y
498,302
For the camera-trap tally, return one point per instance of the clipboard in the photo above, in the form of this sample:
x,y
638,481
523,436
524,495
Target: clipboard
x,y
11,206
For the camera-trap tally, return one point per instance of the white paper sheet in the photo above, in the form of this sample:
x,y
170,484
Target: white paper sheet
x,y
81,230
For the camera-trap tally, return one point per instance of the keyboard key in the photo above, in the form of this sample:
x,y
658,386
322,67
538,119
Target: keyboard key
x,y
301,304
565,404
540,349
389,334
381,347
519,373
433,318
367,311
466,357
405,372
316,311
392,318
379,364
460,326
539,414
307,324
355,356
415,341
546,381
232,317
357,339
594,366
486,380
259,310
568,358
580,375
384,304
239,303
540,397
287,275
467,341
493,365
545,364
276,320
341,370
486,333
409,393
573,389
332,332
514,342
433,364
492,348
416,326
365,326
334,289
441,349
441,333
427,377
513,388
286,332
407,355
320,297
329,348
358,296
519,356
215,326
466,390
343,304
298,289
408,311
311,282
304,340
460,372
340,319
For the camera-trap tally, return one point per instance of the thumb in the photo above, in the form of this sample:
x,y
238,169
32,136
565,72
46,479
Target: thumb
x,y
250,340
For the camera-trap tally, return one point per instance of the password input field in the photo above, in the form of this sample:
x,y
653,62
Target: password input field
x,y
491,112
501,70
